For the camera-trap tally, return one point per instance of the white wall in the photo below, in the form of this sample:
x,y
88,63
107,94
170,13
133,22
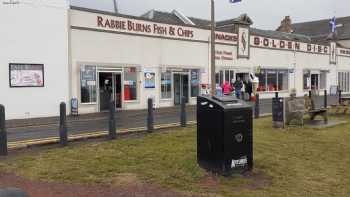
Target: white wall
x,y
345,43
34,32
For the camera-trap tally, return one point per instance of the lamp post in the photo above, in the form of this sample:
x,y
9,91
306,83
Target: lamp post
x,y
212,51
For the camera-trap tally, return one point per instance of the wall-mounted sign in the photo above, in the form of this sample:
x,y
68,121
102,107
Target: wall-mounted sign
x,y
333,53
224,55
26,75
243,46
150,81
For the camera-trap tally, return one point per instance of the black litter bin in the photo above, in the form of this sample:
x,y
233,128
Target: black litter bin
x,y
224,134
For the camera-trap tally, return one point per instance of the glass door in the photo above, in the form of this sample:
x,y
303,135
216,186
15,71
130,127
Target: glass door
x,y
105,90
181,87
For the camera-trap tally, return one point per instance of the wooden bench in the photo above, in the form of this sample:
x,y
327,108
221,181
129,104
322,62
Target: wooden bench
x,y
314,111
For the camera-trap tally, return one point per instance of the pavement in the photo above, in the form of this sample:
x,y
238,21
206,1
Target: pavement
x,y
33,131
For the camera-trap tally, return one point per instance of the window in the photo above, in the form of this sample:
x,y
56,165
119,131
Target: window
x,y
194,83
130,84
315,81
282,80
88,84
344,81
271,80
223,76
166,85
307,80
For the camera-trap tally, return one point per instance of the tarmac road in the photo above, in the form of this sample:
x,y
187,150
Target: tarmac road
x,y
33,129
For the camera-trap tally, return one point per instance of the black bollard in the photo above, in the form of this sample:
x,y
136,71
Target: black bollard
x,y
340,101
63,125
183,118
112,134
257,106
325,99
3,133
150,117
310,94
276,94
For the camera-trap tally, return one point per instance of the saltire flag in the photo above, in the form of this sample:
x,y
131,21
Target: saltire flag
x,y
333,24
235,1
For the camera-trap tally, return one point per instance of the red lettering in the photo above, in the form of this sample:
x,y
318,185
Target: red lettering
x,y
297,46
274,44
290,45
266,42
282,44
309,47
256,40
99,21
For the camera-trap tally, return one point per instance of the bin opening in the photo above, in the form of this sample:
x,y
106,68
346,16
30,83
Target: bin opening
x,y
227,100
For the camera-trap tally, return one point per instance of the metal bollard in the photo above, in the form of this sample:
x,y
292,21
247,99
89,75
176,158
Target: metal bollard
x,y
325,99
340,102
3,133
257,106
150,117
63,125
276,94
310,94
112,134
183,118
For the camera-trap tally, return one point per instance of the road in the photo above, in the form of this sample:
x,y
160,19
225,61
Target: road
x,y
23,130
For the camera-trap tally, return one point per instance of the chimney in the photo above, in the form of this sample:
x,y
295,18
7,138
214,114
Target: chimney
x,y
286,25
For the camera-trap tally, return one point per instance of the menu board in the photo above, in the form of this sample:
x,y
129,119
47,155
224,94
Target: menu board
x,y
26,75
88,76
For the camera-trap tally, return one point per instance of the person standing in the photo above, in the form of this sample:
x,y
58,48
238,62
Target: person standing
x,y
227,89
249,89
238,87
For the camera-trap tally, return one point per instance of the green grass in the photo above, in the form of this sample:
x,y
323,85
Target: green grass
x,y
293,162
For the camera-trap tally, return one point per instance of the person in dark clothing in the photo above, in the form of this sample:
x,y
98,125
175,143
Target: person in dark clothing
x,y
249,89
238,87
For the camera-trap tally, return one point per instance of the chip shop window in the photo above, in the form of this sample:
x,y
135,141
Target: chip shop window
x,y
272,80
194,83
88,84
130,84
344,81
166,85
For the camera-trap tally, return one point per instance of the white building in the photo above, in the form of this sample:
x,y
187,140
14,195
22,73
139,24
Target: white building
x,y
34,52
159,55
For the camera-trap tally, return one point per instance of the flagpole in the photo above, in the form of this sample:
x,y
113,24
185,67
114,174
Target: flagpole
x,y
212,52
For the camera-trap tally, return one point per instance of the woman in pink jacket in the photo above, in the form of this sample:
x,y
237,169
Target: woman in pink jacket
x,y
227,89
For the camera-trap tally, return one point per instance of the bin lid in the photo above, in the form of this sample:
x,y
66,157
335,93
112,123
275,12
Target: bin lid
x,y
228,102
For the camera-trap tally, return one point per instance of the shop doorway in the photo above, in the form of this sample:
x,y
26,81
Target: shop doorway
x,y
181,87
110,88
242,76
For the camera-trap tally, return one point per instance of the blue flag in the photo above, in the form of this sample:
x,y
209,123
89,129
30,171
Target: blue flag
x,y
235,1
333,24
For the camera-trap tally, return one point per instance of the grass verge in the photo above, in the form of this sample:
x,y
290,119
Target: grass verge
x,y
291,162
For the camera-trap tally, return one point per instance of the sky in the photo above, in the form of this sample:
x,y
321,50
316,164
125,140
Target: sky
x,y
266,14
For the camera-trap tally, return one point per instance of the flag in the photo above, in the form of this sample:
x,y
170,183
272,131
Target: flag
x,y
235,1
333,24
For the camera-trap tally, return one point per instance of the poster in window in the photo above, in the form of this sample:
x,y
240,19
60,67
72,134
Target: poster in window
x,y
243,46
333,53
150,81
26,75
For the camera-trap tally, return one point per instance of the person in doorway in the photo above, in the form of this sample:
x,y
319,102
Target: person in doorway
x,y
238,87
227,89
249,89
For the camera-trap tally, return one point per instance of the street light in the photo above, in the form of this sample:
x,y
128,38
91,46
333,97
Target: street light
x,y
212,52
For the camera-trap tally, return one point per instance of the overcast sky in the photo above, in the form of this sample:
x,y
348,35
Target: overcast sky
x,y
266,14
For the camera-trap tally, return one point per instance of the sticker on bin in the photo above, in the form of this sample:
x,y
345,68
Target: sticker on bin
x,y
240,162
233,104
204,103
